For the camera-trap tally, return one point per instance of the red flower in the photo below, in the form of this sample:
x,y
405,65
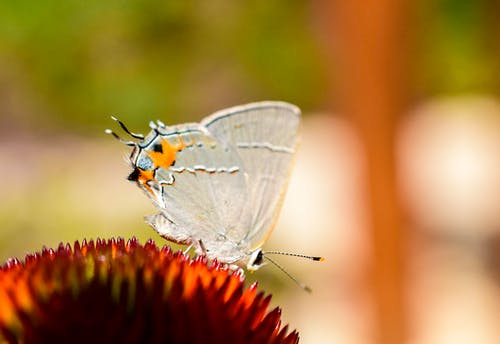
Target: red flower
x,y
112,291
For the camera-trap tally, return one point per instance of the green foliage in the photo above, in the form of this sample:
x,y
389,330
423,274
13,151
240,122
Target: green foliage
x,y
85,60
456,46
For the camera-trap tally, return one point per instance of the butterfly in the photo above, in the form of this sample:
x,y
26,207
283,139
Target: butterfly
x,y
219,184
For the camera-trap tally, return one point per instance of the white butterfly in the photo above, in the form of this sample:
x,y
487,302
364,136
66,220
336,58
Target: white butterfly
x,y
219,184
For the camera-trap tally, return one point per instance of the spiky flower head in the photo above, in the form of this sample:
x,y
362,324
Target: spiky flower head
x,y
125,292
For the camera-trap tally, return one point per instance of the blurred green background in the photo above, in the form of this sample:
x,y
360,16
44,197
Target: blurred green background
x,y
70,64
80,61
66,66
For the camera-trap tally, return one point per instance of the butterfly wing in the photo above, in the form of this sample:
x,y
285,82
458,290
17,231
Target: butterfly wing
x,y
264,135
221,182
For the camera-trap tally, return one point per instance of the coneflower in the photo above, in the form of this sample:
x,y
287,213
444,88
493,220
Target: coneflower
x,y
124,292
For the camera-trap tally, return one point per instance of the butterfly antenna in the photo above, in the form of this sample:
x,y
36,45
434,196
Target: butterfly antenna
x,y
315,258
299,283
128,143
125,129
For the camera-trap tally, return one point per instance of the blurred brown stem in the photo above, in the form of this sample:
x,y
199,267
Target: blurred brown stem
x,y
369,45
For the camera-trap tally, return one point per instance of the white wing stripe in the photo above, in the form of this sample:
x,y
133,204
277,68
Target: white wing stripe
x,y
168,182
266,145
202,168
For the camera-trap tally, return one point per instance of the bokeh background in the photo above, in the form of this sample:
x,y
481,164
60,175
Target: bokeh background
x,y
397,182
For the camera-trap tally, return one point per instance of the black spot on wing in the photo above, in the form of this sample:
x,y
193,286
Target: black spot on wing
x,y
158,148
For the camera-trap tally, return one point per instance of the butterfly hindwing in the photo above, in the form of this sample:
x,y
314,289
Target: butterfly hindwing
x,y
265,137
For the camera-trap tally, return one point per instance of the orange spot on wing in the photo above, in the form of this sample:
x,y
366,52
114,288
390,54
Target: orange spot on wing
x,y
167,156
145,176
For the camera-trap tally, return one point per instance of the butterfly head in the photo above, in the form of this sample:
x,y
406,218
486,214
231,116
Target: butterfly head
x,y
142,164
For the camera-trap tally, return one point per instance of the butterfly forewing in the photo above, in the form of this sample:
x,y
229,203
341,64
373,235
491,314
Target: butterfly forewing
x,y
202,193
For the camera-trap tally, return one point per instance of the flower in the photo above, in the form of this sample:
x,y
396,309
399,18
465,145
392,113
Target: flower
x,y
117,291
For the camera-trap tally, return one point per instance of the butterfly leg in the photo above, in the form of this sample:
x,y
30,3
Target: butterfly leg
x,y
186,251
202,247
237,269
